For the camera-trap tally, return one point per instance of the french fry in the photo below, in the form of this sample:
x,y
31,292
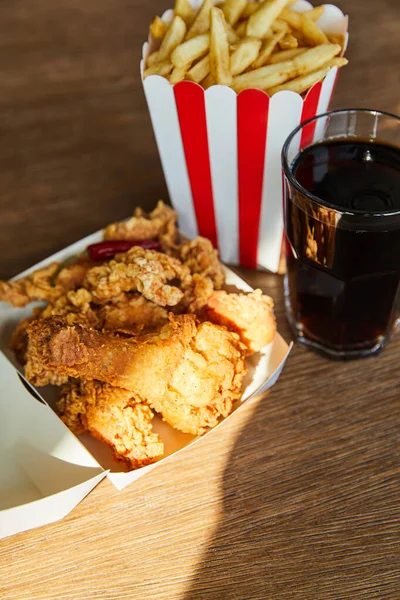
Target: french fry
x,y
178,74
259,22
305,82
288,42
244,55
291,17
315,13
301,39
267,49
152,59
280,25
163,68
266,77
232,10
219,48
158,28
250,9
241,29
337,38
208,81
233,37
201,24
172,39
278,57
338,61
310,30
190,50
313,34
276,74
184,10
300,84
200,70
315,58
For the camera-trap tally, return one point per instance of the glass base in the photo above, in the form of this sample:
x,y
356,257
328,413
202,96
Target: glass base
x,y
350,354
367,349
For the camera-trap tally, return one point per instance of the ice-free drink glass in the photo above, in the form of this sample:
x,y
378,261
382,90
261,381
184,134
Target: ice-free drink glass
x,y
342,228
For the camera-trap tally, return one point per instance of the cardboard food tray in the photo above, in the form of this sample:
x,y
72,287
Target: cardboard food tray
x,y
45,469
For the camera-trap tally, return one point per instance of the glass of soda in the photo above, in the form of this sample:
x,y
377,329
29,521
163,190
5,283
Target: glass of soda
x,y
342,231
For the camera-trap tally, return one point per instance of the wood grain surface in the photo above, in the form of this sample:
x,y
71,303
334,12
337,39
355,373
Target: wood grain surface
x,y
298,496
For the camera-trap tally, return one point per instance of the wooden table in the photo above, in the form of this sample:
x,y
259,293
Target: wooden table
x,y
298,496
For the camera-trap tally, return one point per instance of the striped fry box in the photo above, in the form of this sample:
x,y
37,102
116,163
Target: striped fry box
x,y
221,153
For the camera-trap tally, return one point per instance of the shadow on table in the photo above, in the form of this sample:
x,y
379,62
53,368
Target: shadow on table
x,y
303,515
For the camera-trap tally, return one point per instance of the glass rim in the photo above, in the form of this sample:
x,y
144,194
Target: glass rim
x,y
293,181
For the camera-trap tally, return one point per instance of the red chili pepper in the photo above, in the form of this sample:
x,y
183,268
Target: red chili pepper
x,y
108,249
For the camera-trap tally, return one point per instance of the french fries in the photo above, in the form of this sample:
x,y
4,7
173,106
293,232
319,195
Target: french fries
x,y
244,55
288,42
201,24
158,28
283,55
172,38
262,19
200,70
262,44
232,10
304,82
219,48
184,9
267,49
191,50
315,13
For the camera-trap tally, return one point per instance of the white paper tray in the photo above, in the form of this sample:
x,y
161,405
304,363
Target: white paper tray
x,y
45,470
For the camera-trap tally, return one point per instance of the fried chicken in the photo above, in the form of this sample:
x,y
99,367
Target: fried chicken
x,y
133,314
113,416
145,271
160,224
189,372
76,307
47,284
200,256
249,315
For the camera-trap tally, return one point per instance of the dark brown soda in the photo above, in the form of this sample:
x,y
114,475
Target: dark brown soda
x,y
344,269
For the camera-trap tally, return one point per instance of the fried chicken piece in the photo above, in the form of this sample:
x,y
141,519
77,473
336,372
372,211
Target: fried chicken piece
x,y
145,271
38,373
76,307
160,224
196,295
249,315
19,339
133,315
189,372
37,286
112,416
47,284
200,256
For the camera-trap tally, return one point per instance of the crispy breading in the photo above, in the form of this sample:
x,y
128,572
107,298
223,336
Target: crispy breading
x,y
36,286
38,373
113,416
160,224
249,315
200,256
195,296
133,314
19,339
76,307
145,271
190,372
47,283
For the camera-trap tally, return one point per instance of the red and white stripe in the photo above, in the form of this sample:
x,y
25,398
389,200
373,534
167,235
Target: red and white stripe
x,y
220,154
